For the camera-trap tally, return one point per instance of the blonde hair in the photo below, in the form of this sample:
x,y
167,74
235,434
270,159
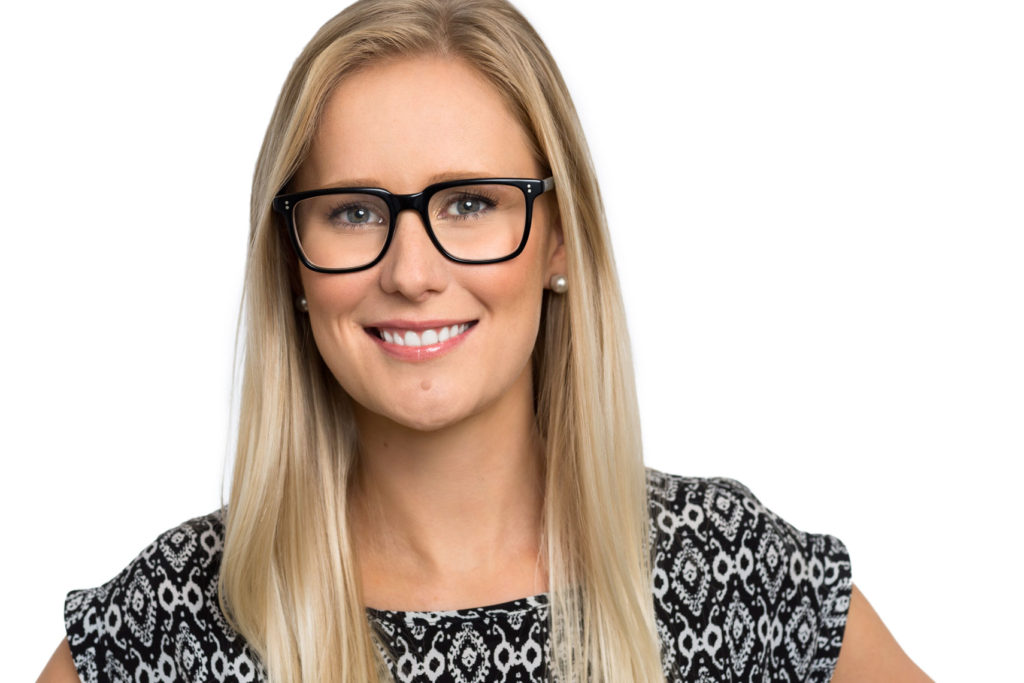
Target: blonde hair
x,y
288,577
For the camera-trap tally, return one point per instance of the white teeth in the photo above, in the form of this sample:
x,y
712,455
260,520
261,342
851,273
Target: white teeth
x,y
423,338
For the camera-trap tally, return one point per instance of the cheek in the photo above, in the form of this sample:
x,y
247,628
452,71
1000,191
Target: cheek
x,y
330,295
514,296
332,302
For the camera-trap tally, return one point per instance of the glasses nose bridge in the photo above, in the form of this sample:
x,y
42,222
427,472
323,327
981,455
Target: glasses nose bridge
x,y
417,202
410,202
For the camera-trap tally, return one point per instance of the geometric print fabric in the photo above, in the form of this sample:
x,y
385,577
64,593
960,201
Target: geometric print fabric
x,y
739,595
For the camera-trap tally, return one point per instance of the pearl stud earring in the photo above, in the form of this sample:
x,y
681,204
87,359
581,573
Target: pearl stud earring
x,y
302,304
559,284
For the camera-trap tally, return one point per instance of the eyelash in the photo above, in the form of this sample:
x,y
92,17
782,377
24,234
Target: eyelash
x,y
491,202
339,210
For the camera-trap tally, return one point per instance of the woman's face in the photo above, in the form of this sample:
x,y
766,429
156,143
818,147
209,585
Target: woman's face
x,y
403,125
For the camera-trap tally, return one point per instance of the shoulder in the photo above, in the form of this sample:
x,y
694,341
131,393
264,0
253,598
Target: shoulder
x,y
736,586
724,514
160,615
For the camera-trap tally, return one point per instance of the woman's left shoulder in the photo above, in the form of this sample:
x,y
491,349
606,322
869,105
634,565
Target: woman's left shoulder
x,y
721,510
749,591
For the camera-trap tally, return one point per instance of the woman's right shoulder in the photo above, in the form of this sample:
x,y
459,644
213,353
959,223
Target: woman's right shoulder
x,y
190,550
160,615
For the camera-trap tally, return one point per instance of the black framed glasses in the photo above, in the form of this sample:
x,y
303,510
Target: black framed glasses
x,y
346,229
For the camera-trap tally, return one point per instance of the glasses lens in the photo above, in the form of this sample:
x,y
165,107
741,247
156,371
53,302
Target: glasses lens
x,y
342,230
479,222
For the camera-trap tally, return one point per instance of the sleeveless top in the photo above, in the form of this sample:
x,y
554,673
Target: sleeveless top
x,y
739,595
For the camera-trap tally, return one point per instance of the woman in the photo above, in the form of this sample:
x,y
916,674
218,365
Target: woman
x,y
439,471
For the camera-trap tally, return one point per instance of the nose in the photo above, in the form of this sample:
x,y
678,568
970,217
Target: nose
x,y
412,266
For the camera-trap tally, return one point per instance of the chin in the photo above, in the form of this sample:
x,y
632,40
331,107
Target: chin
x,y
423,422
426,418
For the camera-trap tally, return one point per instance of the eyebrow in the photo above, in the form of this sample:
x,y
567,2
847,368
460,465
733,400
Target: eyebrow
x,y
368,181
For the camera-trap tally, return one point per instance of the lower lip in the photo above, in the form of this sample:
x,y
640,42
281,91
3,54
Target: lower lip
x,y
420,353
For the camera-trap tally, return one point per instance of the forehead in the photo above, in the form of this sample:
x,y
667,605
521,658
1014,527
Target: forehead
x,y
406,123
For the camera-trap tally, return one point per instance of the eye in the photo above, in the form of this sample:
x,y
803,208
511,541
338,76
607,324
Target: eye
x,y
353,214
466,206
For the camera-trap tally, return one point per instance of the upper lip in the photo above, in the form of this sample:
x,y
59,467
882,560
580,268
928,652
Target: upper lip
x,y
419,325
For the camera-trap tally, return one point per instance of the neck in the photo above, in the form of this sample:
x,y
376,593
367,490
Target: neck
x,y
466,496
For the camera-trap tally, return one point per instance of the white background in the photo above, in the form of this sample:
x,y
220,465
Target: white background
x,y
819,224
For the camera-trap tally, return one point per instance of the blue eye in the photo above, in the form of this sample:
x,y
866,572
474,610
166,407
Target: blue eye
x,y
354,214
467,206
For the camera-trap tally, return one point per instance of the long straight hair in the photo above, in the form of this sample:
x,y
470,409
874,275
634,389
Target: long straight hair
x,y
288,578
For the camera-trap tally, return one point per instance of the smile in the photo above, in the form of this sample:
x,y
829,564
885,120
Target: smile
x,y
419,341
427,337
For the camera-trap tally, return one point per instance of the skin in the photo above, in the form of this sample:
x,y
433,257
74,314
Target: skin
x,y
446,515
869,651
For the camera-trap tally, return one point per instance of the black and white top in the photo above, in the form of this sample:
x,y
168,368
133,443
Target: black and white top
x,y
739,595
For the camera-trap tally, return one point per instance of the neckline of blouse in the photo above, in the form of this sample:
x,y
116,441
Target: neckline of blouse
x,y
510,606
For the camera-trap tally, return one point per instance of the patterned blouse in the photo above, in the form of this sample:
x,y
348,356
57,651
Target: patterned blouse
x,y
739,595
